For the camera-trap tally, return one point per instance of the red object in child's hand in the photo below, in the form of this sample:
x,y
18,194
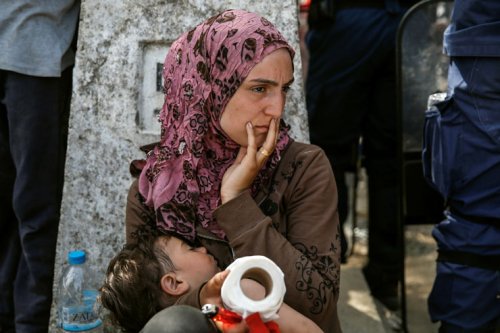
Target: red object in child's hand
x,y
256,325
227,316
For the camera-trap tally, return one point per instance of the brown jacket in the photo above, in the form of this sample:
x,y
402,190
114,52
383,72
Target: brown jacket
x,y
294,222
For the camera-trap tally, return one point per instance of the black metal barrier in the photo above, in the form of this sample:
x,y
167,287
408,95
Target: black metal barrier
x,y
421,69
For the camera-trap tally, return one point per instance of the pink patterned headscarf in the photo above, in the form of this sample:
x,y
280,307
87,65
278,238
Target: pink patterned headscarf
x,y
202,71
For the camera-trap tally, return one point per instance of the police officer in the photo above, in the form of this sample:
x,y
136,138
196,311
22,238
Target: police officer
x,y
462,161
351,94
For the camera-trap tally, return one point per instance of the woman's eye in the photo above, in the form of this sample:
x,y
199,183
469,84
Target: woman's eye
x,y
286,89
259,89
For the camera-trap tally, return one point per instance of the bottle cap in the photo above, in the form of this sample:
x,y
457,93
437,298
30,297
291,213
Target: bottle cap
x,y
76,257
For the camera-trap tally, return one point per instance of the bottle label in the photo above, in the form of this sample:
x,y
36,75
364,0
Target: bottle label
x,y
81,317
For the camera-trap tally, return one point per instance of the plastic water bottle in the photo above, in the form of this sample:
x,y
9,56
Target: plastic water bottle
x,y
78,310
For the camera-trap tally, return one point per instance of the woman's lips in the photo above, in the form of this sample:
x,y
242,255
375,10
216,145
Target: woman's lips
x,y
261,129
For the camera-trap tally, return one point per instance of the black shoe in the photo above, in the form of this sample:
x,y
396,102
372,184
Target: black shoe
x,y
383,289
390,302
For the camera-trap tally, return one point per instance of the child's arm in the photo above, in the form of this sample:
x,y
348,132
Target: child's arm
x,y
290,320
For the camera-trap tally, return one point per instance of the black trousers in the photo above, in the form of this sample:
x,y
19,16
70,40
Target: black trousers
x,y
351,93
33,131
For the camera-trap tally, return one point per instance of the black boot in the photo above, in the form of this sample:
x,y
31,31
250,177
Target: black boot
x,y
383,288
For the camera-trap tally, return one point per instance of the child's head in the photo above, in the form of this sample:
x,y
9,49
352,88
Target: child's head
x,y
193,266
150,274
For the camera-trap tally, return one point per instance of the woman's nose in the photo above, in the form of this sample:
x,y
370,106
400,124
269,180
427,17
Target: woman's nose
x,y
276,106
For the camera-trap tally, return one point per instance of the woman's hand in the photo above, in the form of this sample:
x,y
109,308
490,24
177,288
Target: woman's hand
x,y
248,163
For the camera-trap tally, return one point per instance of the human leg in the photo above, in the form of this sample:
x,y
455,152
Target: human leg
x,y
465,129
380,148
448,328
10,252
471,126
464,298
383,268
36,110
380,153
336,95
350,92
10,249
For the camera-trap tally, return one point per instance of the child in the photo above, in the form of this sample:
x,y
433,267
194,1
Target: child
x,y
151,274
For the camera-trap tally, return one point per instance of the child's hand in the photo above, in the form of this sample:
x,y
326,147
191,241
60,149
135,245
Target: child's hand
x,y
248,163
210,292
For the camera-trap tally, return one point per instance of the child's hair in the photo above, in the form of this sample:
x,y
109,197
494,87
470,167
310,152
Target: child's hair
x,y
131,290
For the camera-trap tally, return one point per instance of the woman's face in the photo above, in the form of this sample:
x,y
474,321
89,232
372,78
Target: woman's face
x,y
260,98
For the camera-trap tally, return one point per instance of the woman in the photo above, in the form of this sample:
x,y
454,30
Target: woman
x,y
227,175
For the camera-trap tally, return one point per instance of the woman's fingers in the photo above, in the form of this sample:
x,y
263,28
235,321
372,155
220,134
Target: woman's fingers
x,y
268,147
252,157
272,135
251,145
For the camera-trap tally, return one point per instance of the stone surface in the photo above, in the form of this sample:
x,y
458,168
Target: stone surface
x,y
111,115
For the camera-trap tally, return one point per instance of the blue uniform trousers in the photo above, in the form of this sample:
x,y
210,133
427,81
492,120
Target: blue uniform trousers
x,y
462,160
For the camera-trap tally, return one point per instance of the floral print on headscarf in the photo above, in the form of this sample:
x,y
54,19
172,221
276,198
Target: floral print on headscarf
x,y
203,69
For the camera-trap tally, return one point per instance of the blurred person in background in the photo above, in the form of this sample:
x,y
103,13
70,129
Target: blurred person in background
x,y
36,59
351,94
